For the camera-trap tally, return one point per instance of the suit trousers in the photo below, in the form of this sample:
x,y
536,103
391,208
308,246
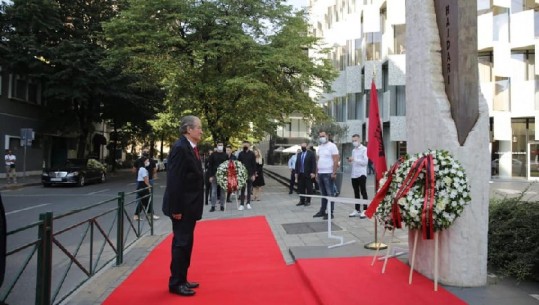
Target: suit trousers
x,y
182,247
305,186
360,184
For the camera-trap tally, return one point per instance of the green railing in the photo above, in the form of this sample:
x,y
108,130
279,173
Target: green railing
x,y
58,262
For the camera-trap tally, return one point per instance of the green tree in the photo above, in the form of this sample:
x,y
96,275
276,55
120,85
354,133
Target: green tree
x,y
60,42
242,66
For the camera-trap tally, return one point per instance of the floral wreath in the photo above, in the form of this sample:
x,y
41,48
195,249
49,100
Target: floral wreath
x,y
434,201
231,175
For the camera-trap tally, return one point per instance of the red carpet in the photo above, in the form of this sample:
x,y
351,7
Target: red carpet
x,y
238,262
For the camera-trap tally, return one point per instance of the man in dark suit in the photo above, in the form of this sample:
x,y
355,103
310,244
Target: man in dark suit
x,y
305,172
183,202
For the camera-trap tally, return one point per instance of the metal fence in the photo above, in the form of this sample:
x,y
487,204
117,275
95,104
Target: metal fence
x,y
48,260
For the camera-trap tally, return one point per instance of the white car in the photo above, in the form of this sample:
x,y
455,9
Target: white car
x,y
160,165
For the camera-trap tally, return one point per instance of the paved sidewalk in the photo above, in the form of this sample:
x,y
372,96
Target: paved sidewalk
x,y
280,209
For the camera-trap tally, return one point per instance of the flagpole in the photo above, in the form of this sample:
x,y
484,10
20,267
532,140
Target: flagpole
x,y
375,245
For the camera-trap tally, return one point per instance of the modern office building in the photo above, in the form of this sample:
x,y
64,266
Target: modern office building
x,y
368,42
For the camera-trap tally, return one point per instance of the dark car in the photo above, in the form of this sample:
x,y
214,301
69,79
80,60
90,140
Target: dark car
x,y
75,171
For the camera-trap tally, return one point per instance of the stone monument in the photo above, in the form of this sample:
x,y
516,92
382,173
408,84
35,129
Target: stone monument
x,y
446,111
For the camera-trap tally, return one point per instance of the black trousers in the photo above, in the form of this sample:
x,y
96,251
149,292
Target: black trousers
x,y
360,184
182,247
305,186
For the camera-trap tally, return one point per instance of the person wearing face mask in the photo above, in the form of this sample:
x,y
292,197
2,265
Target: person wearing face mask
x,y
214,160
230,156
305,172
359,162
143,184
327,165
248,158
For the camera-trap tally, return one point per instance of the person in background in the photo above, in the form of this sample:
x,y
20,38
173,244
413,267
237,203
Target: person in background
x,y
214,160
305,172
316,188
258,183
231,156
152,175
292,167
247,157
183,202
359,162
328,163
143,187
207,184
10,161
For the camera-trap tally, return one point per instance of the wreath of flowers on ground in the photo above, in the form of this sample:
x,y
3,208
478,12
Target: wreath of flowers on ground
x,y
222,174
451,192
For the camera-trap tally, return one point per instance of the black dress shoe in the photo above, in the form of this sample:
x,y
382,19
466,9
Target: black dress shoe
x,y
307,204
319,214
182,290
192,285
212,209
326,216
300,203
289,193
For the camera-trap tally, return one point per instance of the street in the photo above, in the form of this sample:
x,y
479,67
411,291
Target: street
x,y
84,240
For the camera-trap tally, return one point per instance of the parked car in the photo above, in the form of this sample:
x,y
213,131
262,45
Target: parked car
x,y
518,167
75,171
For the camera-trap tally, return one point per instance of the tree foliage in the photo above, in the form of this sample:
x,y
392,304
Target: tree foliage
x,y
242,66
60,42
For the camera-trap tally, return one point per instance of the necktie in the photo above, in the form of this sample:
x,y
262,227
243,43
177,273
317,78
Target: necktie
x,y
196,152
302,162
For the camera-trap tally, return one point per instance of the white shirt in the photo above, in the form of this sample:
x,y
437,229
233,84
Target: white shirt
x,y
142,172
359,162
292,162
10,159
325,157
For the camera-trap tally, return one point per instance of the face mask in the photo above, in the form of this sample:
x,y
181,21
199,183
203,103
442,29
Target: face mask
x,y
245,148
355,143
219,148
303,148
146,164
322,140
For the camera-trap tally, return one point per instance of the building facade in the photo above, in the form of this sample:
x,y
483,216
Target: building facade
x,y
367,39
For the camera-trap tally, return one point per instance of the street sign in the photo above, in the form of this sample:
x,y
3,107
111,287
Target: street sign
x,y
27,135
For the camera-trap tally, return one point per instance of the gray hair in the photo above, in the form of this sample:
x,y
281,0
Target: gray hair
x,y
187,121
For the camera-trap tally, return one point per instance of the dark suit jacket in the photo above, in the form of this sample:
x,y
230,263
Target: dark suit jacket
x,y
309,164
249,160
185,182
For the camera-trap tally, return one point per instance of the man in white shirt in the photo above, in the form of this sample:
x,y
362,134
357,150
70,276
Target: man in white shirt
x,y
327,165
10,160
359,162
292,167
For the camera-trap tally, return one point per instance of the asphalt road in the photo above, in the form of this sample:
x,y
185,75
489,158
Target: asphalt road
x,y
80,246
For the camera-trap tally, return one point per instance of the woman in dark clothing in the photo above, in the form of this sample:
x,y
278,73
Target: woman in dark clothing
x,y
259,179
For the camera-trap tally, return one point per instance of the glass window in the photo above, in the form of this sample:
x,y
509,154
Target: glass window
x,y
485,67
373,47
501,24
358,52
502,96
352,106
400,39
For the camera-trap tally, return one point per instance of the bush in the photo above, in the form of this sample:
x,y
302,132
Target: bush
x,y
513,238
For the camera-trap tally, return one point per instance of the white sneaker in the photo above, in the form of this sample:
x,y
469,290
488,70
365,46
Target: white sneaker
x,y
155,217
354,213
249,206
362,215
241,208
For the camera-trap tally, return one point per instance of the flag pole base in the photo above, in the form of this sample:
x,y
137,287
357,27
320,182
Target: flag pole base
x,y
375,245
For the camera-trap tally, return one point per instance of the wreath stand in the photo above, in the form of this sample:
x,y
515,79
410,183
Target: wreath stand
x,y
414,251
435,259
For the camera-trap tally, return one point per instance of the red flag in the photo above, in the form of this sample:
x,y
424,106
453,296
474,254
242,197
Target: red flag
x,y
375,145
